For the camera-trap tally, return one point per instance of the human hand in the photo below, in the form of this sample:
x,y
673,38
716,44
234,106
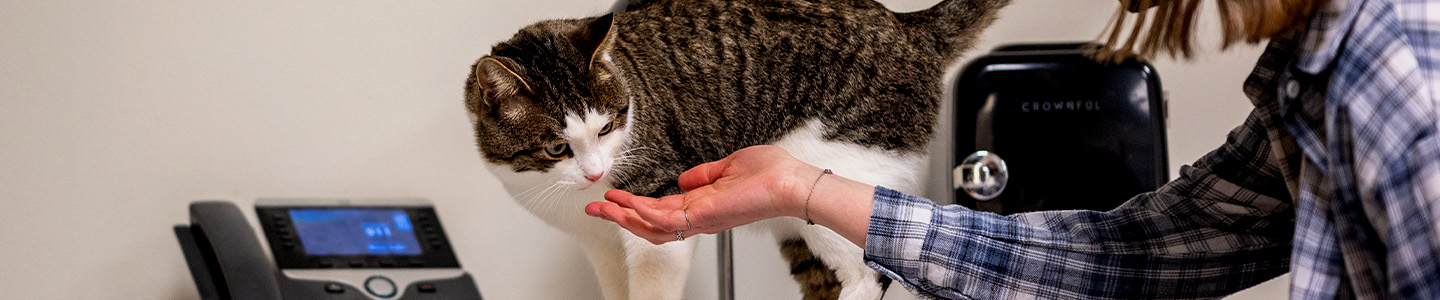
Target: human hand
x,y
752,184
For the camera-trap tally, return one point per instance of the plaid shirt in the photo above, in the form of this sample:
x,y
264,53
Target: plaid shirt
x,y
1335,177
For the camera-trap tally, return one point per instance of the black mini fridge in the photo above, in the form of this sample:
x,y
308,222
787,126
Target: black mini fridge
x,y
1044,127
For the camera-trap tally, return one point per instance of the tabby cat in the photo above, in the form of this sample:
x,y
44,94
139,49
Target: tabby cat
x,y
567,109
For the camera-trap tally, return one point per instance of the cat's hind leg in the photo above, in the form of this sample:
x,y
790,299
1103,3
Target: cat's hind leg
x,y
657,272
825,264
897,170
857,280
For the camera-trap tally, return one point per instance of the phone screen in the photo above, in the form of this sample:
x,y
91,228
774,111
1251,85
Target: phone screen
x,y
355,232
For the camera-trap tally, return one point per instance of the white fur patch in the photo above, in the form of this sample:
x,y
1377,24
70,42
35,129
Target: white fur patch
x,y
562,191
870,165
594,154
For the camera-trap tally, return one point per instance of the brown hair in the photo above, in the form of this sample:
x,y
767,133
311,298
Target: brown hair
x,y
1171,25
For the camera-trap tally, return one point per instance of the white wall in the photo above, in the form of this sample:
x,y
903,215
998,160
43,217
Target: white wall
x,y
115,114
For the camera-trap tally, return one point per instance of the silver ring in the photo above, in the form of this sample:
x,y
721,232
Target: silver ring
x,y
679,235
687,219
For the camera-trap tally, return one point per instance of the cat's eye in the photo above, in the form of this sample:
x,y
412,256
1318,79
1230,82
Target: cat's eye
x,y
608,127
557,150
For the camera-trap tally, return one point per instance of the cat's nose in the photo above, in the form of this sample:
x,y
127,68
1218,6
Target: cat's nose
x,y
595,177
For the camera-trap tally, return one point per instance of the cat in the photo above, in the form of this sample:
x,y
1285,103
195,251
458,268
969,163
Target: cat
x,y
567,109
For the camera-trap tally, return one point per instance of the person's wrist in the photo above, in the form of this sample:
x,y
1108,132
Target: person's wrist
x,y
843,205
799,184
840,197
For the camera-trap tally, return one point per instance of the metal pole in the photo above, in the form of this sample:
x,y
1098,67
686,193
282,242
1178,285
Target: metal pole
x,y
726,265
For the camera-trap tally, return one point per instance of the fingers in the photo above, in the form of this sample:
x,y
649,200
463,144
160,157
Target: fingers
x,y
630,221
620,197
669,217
702,175
666,213
657,220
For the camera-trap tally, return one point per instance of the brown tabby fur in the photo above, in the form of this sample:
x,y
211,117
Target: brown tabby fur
x,y
708,77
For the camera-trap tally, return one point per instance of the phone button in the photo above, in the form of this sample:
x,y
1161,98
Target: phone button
x,y
380,286
334,288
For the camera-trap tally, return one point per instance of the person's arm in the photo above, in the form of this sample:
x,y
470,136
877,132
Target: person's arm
x,y
1224,225
752,184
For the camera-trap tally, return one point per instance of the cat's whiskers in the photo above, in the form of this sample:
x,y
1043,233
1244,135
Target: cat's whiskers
x,y
535,197
550,200
531,190
625,156
648,159
630,165
535,200
553,196
627,151
619,172
623,166
624,161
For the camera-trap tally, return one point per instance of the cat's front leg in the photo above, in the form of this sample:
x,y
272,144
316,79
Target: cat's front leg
x,y
657,272
607,257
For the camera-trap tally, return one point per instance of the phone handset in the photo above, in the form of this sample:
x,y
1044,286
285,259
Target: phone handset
x,y
225,255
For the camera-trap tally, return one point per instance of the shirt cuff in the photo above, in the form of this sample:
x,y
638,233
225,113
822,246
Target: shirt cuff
x,y
895,239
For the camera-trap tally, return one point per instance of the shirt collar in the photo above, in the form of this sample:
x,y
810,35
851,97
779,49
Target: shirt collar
x,y
1328,28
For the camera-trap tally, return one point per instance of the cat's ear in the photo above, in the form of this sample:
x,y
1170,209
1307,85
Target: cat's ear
x,y
498,77
594,38
495,87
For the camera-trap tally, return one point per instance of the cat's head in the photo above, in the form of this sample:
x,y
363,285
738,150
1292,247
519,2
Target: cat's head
x,y
549,104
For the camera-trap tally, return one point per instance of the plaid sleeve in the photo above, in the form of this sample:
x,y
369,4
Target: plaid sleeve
x,y
1224,225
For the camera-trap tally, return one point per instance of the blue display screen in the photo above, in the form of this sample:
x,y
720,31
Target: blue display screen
x,y
355,232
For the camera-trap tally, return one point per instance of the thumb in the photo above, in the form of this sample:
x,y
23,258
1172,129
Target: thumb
x,y
703,175
623,198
